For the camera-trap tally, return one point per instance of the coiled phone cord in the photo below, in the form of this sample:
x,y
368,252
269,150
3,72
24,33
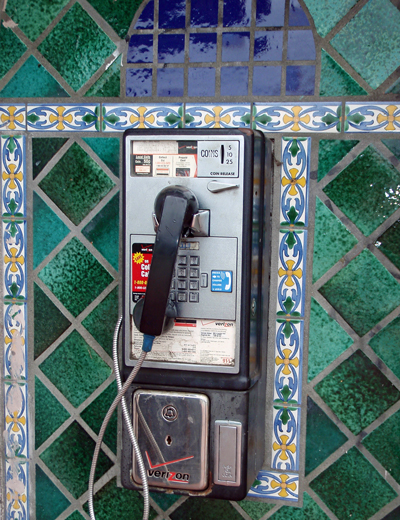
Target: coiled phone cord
x,y
147,344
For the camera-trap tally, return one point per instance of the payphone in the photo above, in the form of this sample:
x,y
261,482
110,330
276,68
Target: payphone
x,y
196,270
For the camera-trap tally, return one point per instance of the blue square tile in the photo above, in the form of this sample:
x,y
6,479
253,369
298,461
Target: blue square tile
x,y
237,13
236,46
140,49
300,80
204,13
139,82
146,18
201,81
268,45
301,45
170,82
267,81
202,48
234,81
270,13
172,14
297,16
171,48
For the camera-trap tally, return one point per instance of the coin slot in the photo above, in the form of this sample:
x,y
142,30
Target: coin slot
x,y
168,440
222,153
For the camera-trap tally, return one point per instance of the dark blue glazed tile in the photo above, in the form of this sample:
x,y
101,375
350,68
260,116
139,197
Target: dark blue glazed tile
x,y
202,48
171,48
234,81
300,80
201,81
236,46
170,82
146,19
204,13
301,45
172,14
267,81
140,49
270,14
268,46
138,82
237,13
297,16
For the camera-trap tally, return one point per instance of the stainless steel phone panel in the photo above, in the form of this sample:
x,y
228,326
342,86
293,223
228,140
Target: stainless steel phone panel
x,y
172,432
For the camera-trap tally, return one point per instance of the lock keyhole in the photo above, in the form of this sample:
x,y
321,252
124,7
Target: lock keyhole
x,y
168,440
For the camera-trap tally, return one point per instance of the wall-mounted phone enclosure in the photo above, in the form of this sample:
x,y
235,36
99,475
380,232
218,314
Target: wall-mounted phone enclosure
x,y
209,368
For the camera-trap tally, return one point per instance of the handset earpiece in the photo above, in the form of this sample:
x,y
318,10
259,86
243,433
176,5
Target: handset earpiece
x,y
174,208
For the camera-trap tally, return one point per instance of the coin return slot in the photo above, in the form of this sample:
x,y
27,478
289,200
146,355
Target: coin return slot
x,y
168,440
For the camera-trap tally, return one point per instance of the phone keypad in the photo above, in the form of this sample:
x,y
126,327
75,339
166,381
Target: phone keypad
x,y
185,283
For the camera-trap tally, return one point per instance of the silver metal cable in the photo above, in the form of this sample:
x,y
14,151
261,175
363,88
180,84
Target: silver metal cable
x,y
120,396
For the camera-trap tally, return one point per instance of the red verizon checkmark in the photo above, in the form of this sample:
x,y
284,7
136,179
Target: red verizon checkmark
x,y
165,463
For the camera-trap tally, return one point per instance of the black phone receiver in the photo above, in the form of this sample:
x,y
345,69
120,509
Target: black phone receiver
x,y
174,208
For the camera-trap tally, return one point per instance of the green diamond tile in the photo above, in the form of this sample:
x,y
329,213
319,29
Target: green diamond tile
x,y
49,322
200,508
94,415
255,510
384,444
107,148
370,42
70,457
114,503
327,14
76,184
108,85
309,511
75,516
75,369
11,49
367,190
118,13
327,340
48,230
33,16
330,152
32,80
357,392
75,277
49,413
363,292
76,47
50,502
332,240
164,500
393,145
43,149
388,243
323,436
102,320
352,488
386,345
335,81
103,231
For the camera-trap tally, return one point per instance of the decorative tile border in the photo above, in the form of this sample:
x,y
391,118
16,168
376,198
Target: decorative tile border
x,y
281,486
285,442
12,152
218,115
372,117
12,117
120,117
304,117
76,118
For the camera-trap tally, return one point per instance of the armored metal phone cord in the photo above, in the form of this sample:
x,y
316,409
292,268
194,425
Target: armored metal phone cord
x,y
147,344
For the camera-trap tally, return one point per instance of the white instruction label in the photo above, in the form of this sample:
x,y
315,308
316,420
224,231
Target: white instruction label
x,y
203,342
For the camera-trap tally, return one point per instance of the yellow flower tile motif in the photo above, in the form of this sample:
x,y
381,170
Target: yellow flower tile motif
x,y
390,118
15,420
217,117
298,273
14,259
283,493
287,361
60,118
142,118
12,176
284,447
296,118
10,118
293,181
16,498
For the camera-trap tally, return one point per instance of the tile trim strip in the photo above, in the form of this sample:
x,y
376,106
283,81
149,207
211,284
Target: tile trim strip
x,y
15,312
